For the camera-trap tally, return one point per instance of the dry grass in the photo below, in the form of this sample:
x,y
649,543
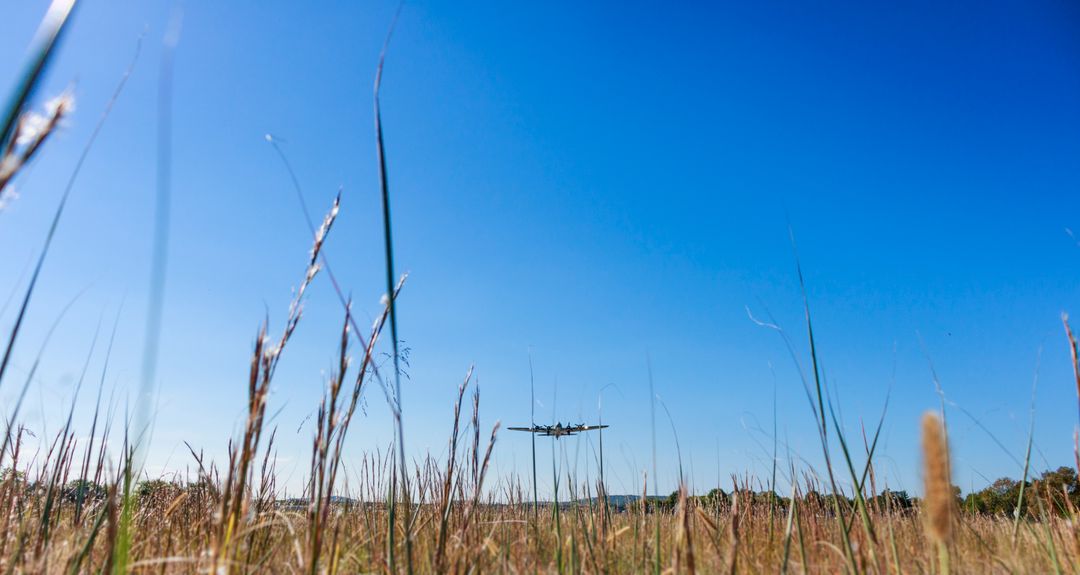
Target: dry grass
x,y
175,529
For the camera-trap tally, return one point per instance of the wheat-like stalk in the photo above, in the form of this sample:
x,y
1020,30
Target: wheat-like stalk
x,y
938,503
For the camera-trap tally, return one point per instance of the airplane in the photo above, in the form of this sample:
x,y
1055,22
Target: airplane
x,y
558,430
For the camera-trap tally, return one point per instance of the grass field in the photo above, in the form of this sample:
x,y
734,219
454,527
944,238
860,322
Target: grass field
x,y
75,518
84,505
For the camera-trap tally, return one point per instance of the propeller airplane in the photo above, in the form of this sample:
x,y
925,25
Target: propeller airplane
x,y
558,430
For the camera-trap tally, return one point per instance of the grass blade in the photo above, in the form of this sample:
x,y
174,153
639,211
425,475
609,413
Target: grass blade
x,y
45,42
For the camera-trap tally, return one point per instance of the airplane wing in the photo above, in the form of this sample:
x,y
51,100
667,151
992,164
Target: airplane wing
x,y
521,429
590,427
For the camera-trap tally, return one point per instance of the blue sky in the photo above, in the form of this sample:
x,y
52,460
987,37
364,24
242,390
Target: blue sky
x,y
603,183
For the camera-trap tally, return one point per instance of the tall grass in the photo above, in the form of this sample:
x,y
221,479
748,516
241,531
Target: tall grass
x,y
937,487
13,159
396,405
13,119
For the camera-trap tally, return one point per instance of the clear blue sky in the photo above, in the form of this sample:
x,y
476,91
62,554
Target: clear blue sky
x,y
600,181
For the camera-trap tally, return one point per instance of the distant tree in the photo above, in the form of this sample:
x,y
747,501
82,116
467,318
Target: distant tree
x,y
998,498
15,477
157,492
16,481
83,491
892,501
202,492
815,502
841,500
654,504
715,497
672,501
1059,489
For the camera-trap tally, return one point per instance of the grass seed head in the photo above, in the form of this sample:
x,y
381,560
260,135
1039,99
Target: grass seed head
x,y
938,504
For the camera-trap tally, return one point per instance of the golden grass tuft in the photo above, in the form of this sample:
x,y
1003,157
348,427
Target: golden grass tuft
x,y
938,506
